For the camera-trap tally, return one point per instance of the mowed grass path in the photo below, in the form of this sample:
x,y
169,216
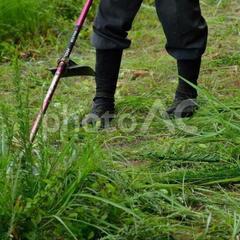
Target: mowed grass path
x,y
180,177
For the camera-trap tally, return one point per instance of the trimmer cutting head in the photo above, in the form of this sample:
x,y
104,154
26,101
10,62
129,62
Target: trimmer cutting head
x,y
72,69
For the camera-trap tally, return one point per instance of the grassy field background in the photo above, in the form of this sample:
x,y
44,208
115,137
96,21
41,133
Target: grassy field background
x,y
144,178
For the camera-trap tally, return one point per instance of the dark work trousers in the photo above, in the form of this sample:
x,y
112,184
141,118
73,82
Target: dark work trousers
x,y
185,28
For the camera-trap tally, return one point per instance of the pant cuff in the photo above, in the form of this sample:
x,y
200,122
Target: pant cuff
x,y
185,54
103,42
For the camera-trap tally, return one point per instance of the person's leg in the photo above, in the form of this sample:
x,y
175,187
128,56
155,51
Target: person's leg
x,y
111,26
186,32
112,23
188,70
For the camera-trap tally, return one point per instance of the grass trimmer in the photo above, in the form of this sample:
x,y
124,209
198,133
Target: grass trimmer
x,y
65,68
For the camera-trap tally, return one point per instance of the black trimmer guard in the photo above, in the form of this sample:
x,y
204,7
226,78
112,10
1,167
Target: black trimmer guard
x,y
73,70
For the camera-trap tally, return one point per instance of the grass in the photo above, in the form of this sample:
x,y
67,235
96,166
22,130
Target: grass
x,y
177,180
23,21
19,19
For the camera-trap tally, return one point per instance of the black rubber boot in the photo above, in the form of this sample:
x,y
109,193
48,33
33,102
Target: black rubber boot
x,y
185,102
182,108
107,69
103,111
